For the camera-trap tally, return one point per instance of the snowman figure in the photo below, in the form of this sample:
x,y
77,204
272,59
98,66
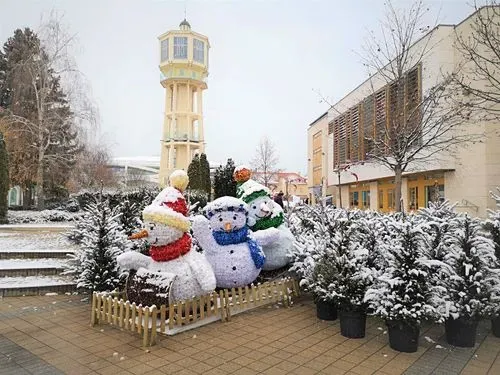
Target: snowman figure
x,y
265,216
233,251
177,270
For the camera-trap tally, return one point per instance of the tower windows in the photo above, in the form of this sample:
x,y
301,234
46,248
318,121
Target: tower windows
x,y
164,50
180,47
198,51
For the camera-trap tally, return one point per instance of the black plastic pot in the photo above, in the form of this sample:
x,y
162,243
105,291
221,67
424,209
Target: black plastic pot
x,y
461,332
495,326
352,324
403,337
326,310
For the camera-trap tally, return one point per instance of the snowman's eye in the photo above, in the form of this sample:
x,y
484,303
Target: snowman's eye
x,y
234,217
220,219
254,207
151,226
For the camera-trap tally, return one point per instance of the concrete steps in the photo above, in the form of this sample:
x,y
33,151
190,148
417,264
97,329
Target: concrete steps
x,y
32,260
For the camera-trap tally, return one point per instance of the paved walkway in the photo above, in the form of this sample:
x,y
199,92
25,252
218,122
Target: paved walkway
x,y
51,335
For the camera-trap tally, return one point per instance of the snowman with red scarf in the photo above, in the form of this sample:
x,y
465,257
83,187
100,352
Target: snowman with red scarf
x,y
176,270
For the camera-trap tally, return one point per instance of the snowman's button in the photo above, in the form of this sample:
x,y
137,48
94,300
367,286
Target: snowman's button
x,y
232,251
234,268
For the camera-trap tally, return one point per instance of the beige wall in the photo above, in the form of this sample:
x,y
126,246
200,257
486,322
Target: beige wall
x,y
470,173
317,155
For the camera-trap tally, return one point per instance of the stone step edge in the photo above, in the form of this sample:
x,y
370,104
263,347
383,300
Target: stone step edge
x,y
37,290
34,254
35,227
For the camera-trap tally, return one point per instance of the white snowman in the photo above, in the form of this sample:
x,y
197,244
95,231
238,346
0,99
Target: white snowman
x,y
233,251
172,258
264,216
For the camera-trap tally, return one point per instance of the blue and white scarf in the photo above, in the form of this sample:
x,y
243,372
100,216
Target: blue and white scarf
x,y
239,236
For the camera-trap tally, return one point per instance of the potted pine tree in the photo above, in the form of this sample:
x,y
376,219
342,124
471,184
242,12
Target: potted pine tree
x,y
323,275
403,295
313,259
471,257
355,245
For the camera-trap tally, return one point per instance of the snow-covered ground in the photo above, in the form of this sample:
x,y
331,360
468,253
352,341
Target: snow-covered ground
x,y
34,281
34,241
19,264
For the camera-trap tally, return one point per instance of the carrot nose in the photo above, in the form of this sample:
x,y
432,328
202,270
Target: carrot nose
x,y
227,227
143,233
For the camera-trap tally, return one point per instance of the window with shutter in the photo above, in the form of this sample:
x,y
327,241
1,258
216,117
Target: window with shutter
x,y
164,50
354,141
368,126
380,119
342,140
414,97
336,134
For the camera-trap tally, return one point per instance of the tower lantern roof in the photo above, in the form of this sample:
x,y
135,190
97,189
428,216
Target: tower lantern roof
x,y
184,25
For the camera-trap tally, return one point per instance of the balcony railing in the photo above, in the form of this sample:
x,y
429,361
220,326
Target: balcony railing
x,y
181,138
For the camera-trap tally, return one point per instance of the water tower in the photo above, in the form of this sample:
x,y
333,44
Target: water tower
x,y
184,71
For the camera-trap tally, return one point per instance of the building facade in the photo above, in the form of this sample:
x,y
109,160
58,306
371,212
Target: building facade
x,y
317,160
184,71
466,177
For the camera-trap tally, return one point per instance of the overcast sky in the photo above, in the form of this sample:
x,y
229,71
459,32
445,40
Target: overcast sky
x,y
266,58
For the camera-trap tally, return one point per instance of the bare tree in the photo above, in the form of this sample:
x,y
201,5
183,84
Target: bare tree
x,y
265,162
60,103
92,169
412,127
480,47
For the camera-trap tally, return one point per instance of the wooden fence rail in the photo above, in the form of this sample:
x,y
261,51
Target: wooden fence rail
x,y
148,321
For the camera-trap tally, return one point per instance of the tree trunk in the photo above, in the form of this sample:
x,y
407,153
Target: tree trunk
x,y
26,192
398,172
39,187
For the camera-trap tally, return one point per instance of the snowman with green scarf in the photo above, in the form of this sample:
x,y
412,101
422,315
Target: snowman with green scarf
x,y
264,215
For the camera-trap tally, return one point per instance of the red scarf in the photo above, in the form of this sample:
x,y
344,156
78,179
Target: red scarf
x,y
172,250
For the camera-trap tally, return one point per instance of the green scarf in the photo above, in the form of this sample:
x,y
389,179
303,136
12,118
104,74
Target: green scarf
x,y
269,222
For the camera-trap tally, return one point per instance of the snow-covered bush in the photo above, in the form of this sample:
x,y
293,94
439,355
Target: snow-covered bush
x,y
100,240
42,217
141,197
405,291
471,258
197,199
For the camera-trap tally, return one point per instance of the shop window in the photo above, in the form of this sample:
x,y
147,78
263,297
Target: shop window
x,y
413,198
434,193
390,199
365,199
354,199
